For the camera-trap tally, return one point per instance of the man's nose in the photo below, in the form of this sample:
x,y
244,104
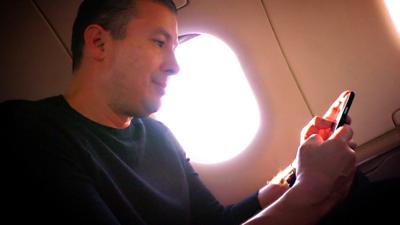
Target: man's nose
x,y
171,66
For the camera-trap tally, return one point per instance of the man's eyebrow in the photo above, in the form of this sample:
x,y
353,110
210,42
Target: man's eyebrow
x,y
163,32
166,34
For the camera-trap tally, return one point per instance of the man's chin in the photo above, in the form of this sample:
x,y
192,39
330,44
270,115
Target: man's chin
x,y
150,109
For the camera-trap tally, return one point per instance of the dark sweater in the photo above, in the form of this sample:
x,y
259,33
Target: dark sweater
x,y
63,168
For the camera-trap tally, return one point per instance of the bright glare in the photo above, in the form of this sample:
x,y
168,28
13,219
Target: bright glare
x,y
393,7
209,105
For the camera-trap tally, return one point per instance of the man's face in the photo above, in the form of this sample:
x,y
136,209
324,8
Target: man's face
x,y
141,63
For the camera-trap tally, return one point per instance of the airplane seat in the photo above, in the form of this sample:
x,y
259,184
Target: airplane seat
x,y
382,155
396,117
372,200
385,166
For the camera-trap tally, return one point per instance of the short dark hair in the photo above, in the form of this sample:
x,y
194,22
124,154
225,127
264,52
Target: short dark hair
x,y
112,15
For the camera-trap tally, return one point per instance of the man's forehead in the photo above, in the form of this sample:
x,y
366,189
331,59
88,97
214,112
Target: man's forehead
x,y
155,12
157,18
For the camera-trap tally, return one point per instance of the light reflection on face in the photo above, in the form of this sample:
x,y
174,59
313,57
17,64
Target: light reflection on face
x,y
142,61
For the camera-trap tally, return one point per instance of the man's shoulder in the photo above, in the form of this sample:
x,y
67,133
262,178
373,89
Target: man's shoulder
x,y
154,125
16,110
158,130
15,105
149,121
22,110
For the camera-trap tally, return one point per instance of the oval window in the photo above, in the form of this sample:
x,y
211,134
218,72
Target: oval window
x,y
210,106
393,7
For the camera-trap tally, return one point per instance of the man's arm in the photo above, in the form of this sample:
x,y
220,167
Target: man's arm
x,y
325,166
274,189
324,176
293,207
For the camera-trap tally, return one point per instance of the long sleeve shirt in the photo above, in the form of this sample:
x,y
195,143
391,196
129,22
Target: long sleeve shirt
x,y
63,168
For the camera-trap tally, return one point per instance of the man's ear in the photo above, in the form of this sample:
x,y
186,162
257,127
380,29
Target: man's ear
x,y
96,40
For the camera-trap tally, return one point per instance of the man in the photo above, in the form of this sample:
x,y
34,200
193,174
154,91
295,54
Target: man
x,y
91,156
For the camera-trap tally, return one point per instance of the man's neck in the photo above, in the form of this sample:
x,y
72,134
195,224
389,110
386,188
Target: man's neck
x,y
83,97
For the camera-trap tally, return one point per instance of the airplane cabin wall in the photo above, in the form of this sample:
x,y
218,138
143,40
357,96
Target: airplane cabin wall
x,y
336,45
34,62
298,56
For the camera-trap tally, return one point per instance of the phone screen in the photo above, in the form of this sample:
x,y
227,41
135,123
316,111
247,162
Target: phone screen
x,y
344,110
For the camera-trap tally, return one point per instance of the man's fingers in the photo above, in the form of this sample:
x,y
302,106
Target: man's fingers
x,y
334,109
317,125
314,139
321,123
353,145
348,119
344,133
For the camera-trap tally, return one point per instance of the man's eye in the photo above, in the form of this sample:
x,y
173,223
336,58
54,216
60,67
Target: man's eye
x,y
159,42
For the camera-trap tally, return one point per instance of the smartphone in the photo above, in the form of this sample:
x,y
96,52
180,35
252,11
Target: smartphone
x,y
344,110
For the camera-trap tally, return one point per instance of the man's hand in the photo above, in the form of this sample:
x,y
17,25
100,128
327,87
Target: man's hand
x,y
323,125
325,160
326,168
325,164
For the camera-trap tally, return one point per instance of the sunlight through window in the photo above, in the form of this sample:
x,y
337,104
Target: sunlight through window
x,y
393,7
209,105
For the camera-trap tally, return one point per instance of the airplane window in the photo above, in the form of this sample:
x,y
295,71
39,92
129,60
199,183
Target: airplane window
x,y
393,7
209,105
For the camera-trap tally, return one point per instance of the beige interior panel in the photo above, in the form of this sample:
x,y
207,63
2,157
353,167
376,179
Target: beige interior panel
x,y
244,26
337,45
34,64
61,15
